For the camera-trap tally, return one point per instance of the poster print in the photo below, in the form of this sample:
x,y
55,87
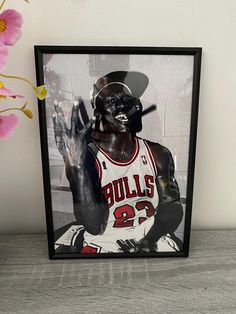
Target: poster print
x,y
118,134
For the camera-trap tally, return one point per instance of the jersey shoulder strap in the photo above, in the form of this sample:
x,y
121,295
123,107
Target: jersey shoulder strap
x,y
150,155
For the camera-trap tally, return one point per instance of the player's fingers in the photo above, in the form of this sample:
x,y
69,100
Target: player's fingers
x,y
56,105
74,119
83,111
54,119
78,123
122,245
88,126
143,245
131,246
134,243
59,124
58,117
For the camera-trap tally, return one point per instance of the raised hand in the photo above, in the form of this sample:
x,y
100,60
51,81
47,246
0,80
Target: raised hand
x,y
71,143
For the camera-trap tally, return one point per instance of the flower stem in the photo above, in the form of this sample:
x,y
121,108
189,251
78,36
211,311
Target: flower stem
x,y
2,4
12,108
15,108
18,78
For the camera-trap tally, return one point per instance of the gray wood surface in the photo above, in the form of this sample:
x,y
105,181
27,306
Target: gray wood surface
x,y
203,283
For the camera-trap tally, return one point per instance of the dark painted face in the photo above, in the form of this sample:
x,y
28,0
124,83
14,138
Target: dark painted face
x,y
118,109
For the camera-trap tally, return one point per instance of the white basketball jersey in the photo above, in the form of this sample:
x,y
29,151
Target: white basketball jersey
x,y
130,191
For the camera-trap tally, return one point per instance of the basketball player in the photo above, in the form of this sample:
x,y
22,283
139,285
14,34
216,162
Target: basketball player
x,y
123,187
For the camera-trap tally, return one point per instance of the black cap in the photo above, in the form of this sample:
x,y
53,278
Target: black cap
x,y
136,82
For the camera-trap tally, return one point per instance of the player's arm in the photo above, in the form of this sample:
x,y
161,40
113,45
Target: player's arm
x,y
170,212
89,206
167,186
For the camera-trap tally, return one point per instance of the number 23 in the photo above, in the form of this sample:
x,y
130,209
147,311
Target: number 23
x,y
125,213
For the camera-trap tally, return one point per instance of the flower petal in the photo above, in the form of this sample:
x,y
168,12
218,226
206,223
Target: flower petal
x,y
3,55
40,92
7,125
12,31
28,113
5,92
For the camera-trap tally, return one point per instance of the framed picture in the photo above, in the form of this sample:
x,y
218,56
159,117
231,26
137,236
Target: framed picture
x,y
118,136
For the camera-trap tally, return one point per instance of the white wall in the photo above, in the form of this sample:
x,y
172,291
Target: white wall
x,y
210,24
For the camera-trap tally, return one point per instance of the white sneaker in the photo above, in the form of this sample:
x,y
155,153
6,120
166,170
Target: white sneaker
x,y
166,244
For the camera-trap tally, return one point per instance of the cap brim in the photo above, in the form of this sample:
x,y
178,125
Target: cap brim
x,y
137,82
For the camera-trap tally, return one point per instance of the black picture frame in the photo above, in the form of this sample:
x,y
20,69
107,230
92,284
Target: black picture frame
x,y
166,57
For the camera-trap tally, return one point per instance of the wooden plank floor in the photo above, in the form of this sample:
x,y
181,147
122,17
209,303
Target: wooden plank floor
x,y
203,283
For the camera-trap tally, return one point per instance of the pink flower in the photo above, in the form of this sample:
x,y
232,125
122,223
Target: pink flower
x,y
7,125
3,55
5,92
10,25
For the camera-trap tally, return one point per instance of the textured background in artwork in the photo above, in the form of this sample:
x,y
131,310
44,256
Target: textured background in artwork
x,y
170,88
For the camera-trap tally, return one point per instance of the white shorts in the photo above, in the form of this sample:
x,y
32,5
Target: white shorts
x,y
107,242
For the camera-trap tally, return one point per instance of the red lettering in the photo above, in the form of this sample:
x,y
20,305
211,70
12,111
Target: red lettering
x,y
128,193
149,184
124,215
136,179
108,193
119,190
150,211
